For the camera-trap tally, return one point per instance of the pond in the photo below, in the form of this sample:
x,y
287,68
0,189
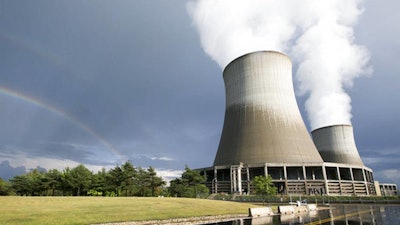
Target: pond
x,y
337,214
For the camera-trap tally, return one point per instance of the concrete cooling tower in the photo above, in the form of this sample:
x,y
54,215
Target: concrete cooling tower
x,y
263,123
264,134
336,144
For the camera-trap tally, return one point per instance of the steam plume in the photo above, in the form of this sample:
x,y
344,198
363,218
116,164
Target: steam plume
x,y
317,35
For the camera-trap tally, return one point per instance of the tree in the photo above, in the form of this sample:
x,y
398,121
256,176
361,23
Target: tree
x,y
35,178
99,183
155,183
51,181
21,185
79,179
143,183
121,180
177,187
28,184
3,187
129,174
195,182
263,185
64,184
191,184
114,181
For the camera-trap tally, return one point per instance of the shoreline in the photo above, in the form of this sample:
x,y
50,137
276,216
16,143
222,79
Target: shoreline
x,y
183,221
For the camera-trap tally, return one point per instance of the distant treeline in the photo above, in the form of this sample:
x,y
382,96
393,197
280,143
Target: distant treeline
x,y
124,180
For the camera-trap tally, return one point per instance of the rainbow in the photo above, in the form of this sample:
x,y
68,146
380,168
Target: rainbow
x,y
34,101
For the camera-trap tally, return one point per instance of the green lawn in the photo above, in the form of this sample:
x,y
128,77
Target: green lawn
x,y
89,210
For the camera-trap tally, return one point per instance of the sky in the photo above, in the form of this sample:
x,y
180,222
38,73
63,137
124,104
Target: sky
x,y
103,82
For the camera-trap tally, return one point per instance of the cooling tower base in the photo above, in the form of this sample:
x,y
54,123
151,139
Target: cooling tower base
x,y
293,179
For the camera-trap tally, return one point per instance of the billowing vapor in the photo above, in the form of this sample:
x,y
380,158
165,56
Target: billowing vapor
x,y
317,35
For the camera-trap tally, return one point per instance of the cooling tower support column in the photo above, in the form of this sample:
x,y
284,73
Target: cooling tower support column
x,y
262,122
236,178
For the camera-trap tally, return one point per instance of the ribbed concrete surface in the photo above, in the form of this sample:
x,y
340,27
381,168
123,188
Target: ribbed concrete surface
x,y
262,120
336,144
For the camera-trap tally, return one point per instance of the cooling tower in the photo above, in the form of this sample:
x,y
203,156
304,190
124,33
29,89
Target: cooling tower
x,y
336,144
262,122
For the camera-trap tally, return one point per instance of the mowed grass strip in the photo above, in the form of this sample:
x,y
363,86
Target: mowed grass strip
x,y
90,210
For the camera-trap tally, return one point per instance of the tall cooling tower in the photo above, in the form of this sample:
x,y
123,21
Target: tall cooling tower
x,y
336,144
263,123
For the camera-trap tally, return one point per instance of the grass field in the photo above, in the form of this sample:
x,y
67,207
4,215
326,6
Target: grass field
x,y
89,210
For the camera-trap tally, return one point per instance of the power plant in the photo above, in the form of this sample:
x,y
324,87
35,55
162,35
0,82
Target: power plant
x,y
264,134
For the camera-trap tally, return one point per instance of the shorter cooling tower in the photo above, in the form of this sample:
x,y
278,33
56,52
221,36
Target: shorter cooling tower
x,y
336,144
263,123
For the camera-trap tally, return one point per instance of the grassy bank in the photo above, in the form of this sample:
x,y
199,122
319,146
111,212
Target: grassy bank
x,y
89,210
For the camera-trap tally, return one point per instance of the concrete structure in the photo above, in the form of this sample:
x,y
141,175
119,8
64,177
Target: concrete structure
x,y
263,123
377,188
388,189
336,144
264,133
261,211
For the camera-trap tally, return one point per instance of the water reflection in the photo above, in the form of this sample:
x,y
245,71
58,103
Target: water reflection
x,y
332,215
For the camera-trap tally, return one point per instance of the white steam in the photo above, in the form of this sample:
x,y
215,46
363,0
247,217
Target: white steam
x,y
317,35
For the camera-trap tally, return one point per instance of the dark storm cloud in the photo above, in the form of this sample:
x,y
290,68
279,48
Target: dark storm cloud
x,y
7,171
385,163
62,151
375,99
124,70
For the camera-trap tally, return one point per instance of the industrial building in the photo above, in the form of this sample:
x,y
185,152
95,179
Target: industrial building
x,y
264,133
385,189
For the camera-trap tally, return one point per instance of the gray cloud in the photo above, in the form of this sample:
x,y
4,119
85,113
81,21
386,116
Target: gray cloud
x,y
133,74
7,171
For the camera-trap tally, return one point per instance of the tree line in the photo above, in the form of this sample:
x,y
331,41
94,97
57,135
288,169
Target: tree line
x,y
124,180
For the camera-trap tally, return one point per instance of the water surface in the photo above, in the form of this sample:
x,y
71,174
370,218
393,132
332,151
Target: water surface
x,y
337,214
